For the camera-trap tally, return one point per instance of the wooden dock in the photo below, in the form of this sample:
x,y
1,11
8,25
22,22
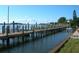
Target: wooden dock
x,y
33,33
26,32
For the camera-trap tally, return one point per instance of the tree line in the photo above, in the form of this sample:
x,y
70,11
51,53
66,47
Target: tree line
x,y
74,23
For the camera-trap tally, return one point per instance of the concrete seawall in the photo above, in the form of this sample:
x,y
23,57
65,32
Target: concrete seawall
x,y
57,48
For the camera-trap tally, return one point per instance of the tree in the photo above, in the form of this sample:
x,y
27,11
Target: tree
x,y
78,21
74,15
75,21
73,24
62,20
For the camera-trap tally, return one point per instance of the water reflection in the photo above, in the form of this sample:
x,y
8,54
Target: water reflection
x,y
41,45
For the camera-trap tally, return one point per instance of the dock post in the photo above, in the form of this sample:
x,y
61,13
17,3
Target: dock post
x,y
13,26
14,31
25,27
33,34
28,26
3,28
31,27
17,28
36,25
8,41
23,34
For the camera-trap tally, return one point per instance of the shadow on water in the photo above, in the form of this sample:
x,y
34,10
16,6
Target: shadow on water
x,y
39,46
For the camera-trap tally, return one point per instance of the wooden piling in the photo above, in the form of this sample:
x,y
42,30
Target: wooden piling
x,y
25,27
23,34
14,27
28,25
17,28
33,37
36,25
3,28
39,33
8,31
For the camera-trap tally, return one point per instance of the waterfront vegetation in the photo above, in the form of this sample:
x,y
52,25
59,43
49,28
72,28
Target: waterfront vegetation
x,y
72,46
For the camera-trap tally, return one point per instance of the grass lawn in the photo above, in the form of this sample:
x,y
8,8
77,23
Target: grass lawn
x,y
72,46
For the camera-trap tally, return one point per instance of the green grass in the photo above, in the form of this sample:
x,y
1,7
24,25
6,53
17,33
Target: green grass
x,y
72,46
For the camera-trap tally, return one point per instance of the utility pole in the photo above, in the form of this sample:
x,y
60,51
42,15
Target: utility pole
x,y
8,16
8,30
8,21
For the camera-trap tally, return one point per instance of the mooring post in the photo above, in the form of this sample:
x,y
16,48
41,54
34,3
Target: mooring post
x,y
28,26
8,31
3,28
14,27
25,27
23,34
17,28
36,25
31,27
33,34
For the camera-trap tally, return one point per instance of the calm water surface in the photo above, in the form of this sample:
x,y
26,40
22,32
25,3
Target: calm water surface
x,y
42,45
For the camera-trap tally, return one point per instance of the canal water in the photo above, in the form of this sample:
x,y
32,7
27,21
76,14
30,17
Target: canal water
x,y
42,45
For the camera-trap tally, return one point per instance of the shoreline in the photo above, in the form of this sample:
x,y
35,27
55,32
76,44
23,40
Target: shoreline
x,y
57,48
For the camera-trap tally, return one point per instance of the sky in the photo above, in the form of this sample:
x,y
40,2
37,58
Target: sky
x,y
36,13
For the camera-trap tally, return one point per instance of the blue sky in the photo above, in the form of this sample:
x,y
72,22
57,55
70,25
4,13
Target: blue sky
x,y
37,13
